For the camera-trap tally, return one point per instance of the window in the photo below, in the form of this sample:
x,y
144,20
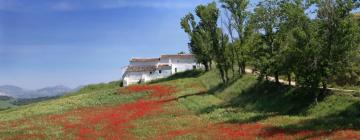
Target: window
x,y
159,71
194,67
150,72
175,70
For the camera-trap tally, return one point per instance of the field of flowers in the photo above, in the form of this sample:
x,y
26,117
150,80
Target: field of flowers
x,y
186,108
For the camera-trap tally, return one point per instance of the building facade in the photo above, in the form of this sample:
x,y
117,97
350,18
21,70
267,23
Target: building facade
x,y
142,70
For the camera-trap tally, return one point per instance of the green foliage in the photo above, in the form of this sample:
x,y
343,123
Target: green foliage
x,y
200,42
267,22
207,41
238,20
338,36
279,38
316,51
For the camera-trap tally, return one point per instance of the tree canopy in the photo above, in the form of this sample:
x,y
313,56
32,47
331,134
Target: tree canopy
x,y
279,38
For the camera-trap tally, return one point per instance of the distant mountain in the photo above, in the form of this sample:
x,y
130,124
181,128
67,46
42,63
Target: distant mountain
x,y
19,93
12,91
53,91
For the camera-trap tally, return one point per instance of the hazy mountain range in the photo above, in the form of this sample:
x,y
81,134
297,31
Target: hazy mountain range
x,y
19,93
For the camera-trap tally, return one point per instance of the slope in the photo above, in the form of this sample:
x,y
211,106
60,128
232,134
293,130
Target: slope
x,y
190,105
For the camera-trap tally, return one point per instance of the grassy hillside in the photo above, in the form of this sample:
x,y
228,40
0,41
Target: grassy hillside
x,y
92,95
6,102
249,100
200,108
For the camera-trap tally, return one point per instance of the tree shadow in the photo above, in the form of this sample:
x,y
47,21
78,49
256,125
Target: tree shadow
x,y
348,119
184,96
180,75
345,119
221,86
268,99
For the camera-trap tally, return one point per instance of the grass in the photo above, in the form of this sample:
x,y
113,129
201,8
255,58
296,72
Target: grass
x,y
6,104
247,100
201,99
92,95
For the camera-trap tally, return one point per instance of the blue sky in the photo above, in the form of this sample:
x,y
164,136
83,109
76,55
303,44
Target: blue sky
x,y
78,42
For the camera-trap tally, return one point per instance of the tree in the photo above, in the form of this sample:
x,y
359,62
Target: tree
x,y
181,52
223,61
298,40
339,37
238,20
267,20
209,15
199,40
293,20
326,45
232,55
207,41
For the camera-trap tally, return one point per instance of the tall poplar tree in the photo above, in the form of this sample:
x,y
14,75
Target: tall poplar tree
x,y
267,20
240,17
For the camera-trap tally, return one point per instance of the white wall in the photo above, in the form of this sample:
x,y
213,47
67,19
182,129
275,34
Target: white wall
x,y
180,64
164,61
134,77
164,73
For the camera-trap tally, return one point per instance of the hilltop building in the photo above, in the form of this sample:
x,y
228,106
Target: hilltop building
x,y
142,70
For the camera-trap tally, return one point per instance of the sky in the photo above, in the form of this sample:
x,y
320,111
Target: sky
x,y
79,42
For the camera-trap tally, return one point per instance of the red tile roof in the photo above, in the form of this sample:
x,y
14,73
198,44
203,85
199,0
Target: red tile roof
x,y
145,60
181,56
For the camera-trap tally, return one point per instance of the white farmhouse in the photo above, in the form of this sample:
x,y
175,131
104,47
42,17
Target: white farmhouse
x,y
143,70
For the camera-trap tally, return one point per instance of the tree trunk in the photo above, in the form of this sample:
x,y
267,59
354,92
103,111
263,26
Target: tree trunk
x,y
222,75
277,77
240,68
227,76
314,89
324,86
243,67
289,78
322,92
324,89
267,77
206,66
210,65
233,70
